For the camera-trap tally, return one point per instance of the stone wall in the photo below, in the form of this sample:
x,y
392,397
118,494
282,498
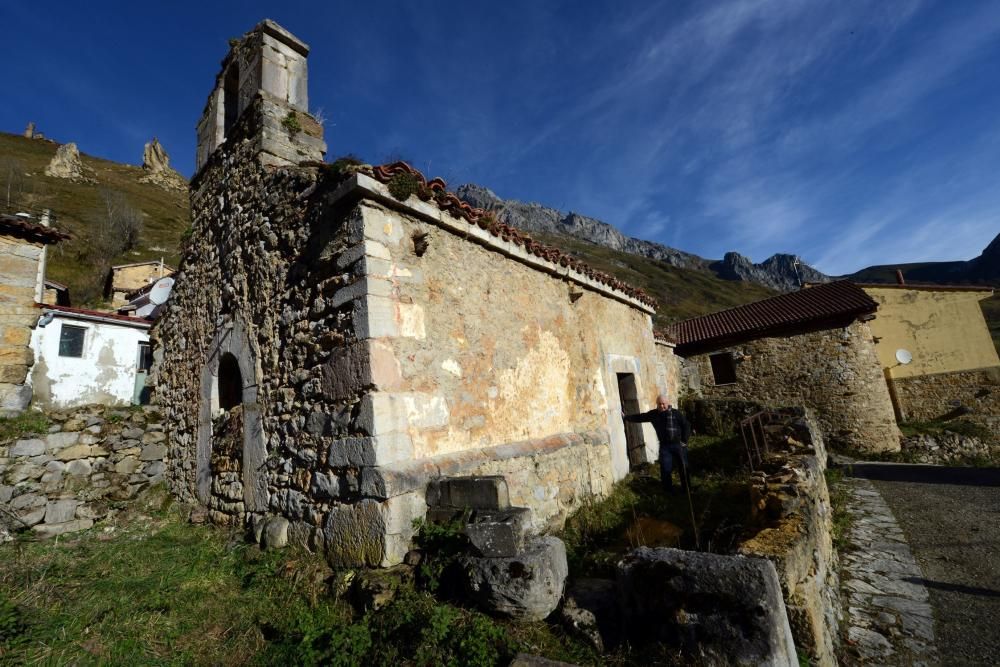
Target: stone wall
x,y
669,368
19,266
90,460
834,371
791,503
929,397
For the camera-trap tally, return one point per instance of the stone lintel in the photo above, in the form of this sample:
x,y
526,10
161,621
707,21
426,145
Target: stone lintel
x,y
365,186
269,27
405,476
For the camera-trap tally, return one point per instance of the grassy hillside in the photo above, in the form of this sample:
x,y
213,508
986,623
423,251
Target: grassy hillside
x,y
680,293
78,208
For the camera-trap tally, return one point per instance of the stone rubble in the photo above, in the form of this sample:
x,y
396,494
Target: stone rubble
x,y
889,618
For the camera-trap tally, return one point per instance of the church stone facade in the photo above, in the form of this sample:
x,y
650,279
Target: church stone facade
x,y
341,336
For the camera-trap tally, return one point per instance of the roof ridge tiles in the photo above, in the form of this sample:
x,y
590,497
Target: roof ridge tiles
x,y
436,190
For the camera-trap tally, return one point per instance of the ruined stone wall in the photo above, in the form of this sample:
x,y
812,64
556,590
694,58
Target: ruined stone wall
x,y
791,506
19,262
834,371
928,397
90,460
255,283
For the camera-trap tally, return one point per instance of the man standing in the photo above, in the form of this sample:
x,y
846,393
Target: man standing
x,y
673,431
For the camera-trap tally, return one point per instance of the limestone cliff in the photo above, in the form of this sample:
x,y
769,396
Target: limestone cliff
x,y
782,272
156,164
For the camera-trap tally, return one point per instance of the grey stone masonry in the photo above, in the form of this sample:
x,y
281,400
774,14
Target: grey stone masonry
x,y
889,619
89,460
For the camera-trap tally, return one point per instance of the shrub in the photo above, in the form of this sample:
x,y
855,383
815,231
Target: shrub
x,y
291,123
402,185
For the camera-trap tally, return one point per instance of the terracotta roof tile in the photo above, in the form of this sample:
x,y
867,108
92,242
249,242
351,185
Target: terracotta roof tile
x,y
436,189
31,230
69,310
835,302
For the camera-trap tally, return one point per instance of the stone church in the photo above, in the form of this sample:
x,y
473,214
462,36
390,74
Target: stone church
x,y
341,335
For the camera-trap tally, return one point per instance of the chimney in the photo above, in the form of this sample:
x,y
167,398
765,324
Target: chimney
x,y
899,278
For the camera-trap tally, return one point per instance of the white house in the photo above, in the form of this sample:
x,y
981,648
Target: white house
x,y
86,356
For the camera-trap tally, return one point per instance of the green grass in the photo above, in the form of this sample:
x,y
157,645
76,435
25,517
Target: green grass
x,y
839,496
157,590
679,293
639,513
77,208
29,422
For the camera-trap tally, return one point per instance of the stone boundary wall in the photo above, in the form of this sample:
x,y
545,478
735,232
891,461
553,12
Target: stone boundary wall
x,y
792,502
835,372
91,458
928,397
551,476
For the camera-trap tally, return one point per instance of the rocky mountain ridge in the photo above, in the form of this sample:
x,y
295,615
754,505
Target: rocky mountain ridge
x,y
781,271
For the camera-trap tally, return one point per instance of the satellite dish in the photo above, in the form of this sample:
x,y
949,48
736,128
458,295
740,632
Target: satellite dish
x,y
903,356
160,291
146,310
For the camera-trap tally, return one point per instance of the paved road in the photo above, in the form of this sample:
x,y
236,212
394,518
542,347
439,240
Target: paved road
x,y
951,520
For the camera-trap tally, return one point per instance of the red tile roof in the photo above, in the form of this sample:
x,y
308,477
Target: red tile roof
x,y
836,304
436,189
30,230
69,310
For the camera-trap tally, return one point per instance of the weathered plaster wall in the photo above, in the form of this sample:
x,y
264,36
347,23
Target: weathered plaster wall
x,y
944,330
90,460
669,370
490,350
105,373
19,266
834,371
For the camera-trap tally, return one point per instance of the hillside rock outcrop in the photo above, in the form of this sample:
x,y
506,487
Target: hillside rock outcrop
x,y
777,272
66,163
156,164
780,271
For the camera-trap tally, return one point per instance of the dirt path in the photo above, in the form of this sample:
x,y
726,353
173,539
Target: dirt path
x,y
951,520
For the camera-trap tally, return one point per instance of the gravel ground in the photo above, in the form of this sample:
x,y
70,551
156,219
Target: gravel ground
x,y
951,517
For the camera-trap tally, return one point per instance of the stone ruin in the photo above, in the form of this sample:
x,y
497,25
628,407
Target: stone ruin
x,y
342,336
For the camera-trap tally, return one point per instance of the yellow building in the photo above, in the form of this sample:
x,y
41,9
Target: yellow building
x,y
936,350
126,278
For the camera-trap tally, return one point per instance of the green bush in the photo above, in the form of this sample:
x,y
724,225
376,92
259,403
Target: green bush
x,y
402,185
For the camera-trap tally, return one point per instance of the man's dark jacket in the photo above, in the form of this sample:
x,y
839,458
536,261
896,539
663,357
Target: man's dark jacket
x,y
671,427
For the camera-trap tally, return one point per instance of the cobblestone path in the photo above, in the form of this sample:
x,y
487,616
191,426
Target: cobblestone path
x,y
889,619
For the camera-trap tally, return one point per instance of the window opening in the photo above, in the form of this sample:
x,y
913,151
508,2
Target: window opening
x,y
230,98
71,340
230,382
723,368
145,357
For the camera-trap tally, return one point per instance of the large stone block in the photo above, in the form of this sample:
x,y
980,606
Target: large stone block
x,y
354,535
498,533
726,609
527,586
478,492
27,448
60,511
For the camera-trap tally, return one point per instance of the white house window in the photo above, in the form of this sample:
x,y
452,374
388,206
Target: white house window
x,y
71,340
145,357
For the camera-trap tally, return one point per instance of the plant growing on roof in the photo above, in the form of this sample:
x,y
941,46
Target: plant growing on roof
x,y
402,185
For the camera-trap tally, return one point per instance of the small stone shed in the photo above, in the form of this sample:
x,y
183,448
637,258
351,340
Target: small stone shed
x,y
23,244
813,347
338,337
954,363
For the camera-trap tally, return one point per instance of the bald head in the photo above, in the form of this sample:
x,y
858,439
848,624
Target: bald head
x,y
662,402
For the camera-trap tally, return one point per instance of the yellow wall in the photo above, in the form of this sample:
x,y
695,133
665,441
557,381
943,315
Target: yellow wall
x,y
944,330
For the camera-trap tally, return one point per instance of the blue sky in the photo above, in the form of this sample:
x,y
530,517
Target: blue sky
x,y
849,133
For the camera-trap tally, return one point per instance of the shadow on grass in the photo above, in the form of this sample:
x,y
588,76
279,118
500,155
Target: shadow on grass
x,y
638,512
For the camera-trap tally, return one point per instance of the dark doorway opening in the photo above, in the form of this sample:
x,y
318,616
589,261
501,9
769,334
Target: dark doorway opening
x,y
230,382
230,99
635,445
